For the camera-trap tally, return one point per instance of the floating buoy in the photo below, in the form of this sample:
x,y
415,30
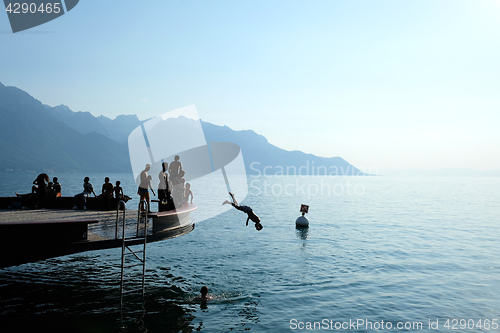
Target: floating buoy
x,y
302,221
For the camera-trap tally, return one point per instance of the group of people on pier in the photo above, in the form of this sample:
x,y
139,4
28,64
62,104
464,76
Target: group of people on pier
x,y
108,191
43,189
44,192
173,191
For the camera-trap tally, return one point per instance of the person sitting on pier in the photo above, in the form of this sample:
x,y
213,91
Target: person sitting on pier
x,y
56,187
40,189
53,192
88,189
251,215
119,192
107,189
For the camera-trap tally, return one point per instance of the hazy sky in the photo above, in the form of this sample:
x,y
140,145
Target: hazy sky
x,y
383,84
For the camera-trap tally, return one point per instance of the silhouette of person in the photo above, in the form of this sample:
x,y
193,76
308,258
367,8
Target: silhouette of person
x,y
251,215
56,187
107,189
118,190
175,168
203,295
41,183
180,178
187,193
163,188
88,189
145,185
178,188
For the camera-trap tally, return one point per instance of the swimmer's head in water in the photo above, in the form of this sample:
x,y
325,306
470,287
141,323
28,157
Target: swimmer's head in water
x,y
204,291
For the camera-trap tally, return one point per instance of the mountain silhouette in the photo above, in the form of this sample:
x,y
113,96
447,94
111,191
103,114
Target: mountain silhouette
x,y
31,138
34,136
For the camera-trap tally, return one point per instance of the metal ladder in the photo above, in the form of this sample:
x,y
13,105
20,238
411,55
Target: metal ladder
x,y
139,239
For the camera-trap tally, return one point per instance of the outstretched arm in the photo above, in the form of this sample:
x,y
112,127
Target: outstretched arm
x,y
248,218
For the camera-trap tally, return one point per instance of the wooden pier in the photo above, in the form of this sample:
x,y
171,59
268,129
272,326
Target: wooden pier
x,y
31,235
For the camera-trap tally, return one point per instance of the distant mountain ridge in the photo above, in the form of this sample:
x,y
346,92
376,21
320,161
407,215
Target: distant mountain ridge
x,y
117,129
34,136
33,139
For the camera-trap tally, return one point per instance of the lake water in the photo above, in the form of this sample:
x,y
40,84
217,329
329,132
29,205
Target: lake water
x,y
380,251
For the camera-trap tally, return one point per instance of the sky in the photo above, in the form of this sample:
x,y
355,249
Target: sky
x,y
386,85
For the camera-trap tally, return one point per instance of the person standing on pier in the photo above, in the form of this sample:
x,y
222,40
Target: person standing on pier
x,y
145,185
175,168
163,188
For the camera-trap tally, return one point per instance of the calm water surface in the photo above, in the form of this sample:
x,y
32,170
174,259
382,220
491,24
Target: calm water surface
x,y
398,250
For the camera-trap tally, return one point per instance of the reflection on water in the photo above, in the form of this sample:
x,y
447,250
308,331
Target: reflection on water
x,y
302,233
81,294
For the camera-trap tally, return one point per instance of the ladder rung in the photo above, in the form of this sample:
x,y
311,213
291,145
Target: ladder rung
x,y
132,239
127,253
133,265
139,239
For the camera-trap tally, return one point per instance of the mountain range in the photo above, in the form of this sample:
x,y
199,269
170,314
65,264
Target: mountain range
x,y
34,136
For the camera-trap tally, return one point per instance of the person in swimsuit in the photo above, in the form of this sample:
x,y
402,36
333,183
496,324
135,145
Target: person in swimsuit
x,y
119,192
145,185
204,294
251,215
